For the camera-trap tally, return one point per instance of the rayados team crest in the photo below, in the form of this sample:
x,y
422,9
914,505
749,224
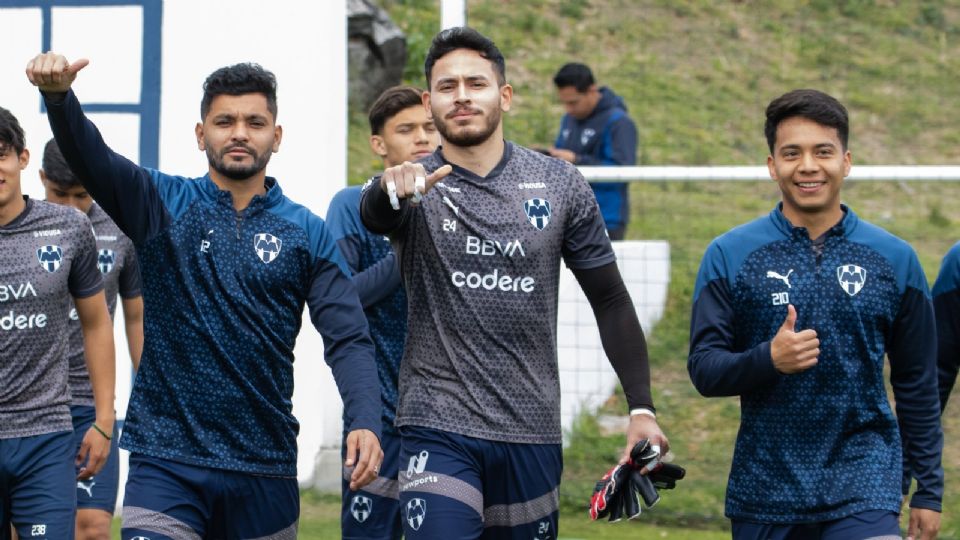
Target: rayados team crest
x,y
851,278
50,257
360,508
538,212
105,260
416,513
267,246
586,135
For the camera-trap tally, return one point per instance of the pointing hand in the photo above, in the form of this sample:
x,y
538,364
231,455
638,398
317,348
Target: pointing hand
x,y
410,180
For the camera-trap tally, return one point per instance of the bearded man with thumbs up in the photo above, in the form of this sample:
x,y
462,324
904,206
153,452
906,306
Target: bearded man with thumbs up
x,y
228,264
793,313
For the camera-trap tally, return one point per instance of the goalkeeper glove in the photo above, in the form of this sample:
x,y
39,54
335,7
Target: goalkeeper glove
x,y
620,491
607,499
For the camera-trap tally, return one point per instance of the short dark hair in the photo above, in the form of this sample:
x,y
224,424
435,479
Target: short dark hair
x,y
464,37
576,75
55,168
239,79
11,134
810,104
392,101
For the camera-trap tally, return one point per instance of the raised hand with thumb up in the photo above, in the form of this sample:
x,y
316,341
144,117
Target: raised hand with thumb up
x,y
792,351
52,73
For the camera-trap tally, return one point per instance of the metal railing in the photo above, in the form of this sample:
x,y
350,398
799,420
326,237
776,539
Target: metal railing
x,y
945,173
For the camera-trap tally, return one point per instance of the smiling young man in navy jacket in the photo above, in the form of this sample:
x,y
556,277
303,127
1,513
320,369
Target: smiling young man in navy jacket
x,y
794,312
227,264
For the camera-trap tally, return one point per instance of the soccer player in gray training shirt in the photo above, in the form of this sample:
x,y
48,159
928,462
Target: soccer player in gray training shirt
x,y
47,256
117,262
480,228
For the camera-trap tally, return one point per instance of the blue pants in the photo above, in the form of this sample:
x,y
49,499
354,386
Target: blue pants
x,y
100,491
872,524
453,486
37,493
374,511
166,500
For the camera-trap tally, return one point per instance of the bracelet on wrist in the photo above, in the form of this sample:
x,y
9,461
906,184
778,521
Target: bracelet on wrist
x,y
100,431
643,411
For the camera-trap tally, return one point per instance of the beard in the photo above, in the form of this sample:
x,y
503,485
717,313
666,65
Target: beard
x,y
469,136
236,171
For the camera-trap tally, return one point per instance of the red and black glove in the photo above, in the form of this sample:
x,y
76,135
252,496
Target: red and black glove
x,y
607,499
620,491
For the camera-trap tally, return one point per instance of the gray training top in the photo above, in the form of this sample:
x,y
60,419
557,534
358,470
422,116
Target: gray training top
x,y
47,255
480,259
117,262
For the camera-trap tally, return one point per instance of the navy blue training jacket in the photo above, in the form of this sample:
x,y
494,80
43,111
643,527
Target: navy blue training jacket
x,y
608,137
224,293
946,305
824,443
376,274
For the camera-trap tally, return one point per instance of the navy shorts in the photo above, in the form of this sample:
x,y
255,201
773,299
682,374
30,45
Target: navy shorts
x,y
37,479
374,511
872,525
453,486
100,491
166,500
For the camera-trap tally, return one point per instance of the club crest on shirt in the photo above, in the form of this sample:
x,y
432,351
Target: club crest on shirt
x,y
360,508
538,212
267,246
851,278
586,135
105,260
50,257
416,512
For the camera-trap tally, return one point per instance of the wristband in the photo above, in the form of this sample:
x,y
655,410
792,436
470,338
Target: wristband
x,y
100,431
643,411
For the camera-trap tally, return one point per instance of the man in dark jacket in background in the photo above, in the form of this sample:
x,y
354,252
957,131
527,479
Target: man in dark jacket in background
x,y
596,131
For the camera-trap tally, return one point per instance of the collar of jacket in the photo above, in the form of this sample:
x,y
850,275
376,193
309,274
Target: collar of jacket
x,y
844,227
271,198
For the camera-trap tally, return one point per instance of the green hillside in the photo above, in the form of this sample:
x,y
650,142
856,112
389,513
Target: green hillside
x,y
697,76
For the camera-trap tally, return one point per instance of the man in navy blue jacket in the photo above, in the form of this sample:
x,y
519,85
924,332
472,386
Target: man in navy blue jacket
x,y
793,313
227,264
596,131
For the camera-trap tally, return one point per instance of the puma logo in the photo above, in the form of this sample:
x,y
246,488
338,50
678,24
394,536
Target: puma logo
x,y
785,279
87,486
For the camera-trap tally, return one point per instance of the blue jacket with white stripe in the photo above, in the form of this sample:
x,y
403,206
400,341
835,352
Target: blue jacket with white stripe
x,y
224,293
824,443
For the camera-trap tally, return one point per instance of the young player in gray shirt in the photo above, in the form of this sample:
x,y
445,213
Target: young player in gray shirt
x,y
47,256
